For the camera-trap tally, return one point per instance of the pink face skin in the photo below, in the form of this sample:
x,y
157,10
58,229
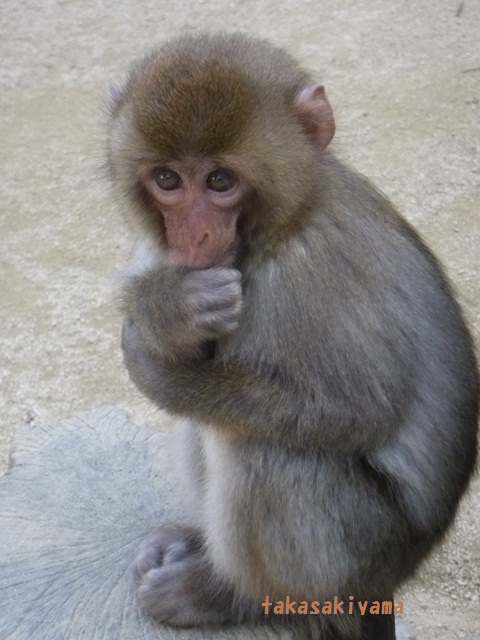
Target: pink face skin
x,y
200,203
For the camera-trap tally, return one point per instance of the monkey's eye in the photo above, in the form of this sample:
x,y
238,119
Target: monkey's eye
x,y
221,180
167,179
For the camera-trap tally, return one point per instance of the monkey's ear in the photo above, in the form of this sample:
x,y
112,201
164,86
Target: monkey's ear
x,y
315,114
116,96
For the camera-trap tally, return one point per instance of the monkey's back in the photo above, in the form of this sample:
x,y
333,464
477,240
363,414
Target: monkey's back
x,y
361,306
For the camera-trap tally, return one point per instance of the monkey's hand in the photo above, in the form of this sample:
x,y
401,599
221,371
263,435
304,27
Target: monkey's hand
x,y
178,311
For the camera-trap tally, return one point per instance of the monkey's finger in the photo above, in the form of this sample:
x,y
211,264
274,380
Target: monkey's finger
x,y
221,313
150,556
214,333
215,325
214,277
221,298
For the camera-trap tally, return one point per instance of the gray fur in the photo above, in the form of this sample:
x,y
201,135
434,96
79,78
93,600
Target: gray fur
x,y
336,425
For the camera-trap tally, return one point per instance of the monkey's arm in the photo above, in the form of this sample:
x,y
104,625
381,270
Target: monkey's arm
x,y
258,404
178,310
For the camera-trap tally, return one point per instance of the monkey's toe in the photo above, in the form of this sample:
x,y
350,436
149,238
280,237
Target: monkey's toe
x,y
169,544
172,594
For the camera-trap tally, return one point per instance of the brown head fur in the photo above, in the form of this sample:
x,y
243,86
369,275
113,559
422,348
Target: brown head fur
x,y
229,98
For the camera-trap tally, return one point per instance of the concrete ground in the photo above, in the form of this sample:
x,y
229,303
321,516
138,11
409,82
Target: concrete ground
x,y
404,81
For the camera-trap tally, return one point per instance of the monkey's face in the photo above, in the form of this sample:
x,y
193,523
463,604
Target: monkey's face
x,y
200,204
214,148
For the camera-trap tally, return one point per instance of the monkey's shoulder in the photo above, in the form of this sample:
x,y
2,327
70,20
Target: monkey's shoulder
x,y
357,277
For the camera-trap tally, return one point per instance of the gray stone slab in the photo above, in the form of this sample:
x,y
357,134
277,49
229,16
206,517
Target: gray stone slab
x,y
79,497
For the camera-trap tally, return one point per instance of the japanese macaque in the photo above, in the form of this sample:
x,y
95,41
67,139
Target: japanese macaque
x,y
301,329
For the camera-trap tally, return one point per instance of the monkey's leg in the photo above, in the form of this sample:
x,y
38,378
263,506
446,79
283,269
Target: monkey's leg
x,y
175,582
299,524
190,462
178,580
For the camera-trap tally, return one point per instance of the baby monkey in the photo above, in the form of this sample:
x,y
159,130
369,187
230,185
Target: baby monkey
x,y
301,329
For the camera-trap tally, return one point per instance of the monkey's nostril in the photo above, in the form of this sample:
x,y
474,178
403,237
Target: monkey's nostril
x,y
204,239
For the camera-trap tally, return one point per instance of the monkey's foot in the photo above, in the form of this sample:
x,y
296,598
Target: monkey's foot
x,y
175,583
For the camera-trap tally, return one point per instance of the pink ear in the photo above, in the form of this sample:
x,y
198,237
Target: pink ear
x,y
115,97
315,114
